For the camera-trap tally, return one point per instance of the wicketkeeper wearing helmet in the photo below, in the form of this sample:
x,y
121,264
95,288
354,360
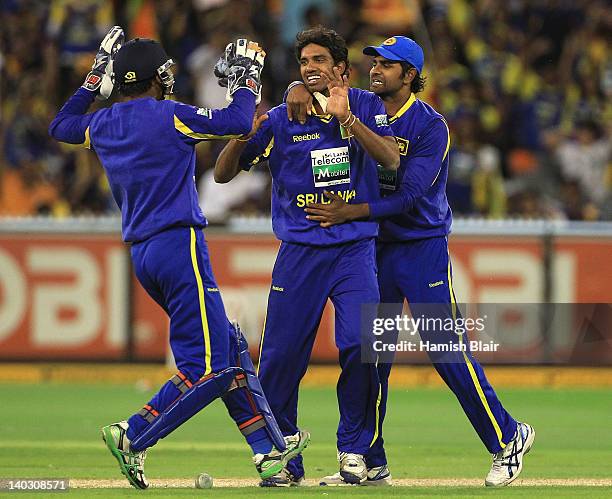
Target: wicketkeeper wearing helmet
x,y
146,145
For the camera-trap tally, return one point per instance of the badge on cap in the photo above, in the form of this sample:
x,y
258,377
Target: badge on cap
x,y
390,41
130,76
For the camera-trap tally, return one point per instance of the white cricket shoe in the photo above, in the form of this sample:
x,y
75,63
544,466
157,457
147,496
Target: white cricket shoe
x,y
508,463
352,467
334,480
353,470
378,476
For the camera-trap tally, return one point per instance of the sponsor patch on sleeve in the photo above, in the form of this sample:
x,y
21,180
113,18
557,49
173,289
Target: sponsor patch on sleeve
x,y
403,145
204,111
381,120
387,179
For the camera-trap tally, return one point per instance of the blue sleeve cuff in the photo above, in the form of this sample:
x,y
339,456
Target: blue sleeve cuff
x,y
386,207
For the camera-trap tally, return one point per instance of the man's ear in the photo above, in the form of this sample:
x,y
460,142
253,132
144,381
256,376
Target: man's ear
x,y
410,75
341,66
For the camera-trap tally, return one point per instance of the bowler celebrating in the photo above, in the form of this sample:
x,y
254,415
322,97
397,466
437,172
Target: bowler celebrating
x,y
412,252
337,149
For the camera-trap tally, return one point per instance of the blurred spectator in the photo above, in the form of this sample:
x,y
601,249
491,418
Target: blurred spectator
x,y
526,88
245,195
207,92
585,158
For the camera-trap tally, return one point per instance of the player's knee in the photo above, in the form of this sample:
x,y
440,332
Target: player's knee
x,y
193,372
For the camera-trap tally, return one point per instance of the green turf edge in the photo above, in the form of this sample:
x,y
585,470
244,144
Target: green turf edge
x,y
254,492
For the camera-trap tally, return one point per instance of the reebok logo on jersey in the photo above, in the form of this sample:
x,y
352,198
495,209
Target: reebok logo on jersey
x,y
436,284
306,136
277,288
331,166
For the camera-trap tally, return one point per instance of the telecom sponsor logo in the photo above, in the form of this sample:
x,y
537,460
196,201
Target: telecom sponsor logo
x,y
330,166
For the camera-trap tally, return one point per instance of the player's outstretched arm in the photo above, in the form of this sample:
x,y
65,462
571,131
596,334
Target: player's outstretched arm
x,y
422,172
70,124
228,165
239,69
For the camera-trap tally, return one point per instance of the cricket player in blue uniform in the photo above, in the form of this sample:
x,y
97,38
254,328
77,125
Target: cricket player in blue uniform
x,y
412,252
146,145
337,149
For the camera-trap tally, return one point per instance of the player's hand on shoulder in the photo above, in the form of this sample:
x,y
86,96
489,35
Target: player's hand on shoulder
x,y
299,103
100,79
240,67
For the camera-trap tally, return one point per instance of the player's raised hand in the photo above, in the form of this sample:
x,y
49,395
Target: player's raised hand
x,y
100,79
338,86
240,67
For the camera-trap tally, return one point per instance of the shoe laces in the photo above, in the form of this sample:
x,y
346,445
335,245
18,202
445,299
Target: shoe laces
x,y
350,457
508,456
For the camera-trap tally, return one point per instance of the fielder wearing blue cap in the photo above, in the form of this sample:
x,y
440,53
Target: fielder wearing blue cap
x,y
399,48
413,258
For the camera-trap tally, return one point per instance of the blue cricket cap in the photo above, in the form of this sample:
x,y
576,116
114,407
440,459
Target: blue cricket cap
x,y
399,48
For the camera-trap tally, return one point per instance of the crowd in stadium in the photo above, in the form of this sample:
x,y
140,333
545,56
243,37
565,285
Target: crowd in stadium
x,y
526,87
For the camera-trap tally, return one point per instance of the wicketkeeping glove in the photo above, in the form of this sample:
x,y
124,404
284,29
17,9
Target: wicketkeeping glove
x,y
100,78
240,67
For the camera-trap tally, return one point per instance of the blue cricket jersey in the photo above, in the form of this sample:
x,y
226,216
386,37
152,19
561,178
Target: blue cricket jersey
x,y
147,149
306,160
413,203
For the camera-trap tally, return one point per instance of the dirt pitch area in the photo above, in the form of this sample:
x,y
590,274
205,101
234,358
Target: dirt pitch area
x,y
182,483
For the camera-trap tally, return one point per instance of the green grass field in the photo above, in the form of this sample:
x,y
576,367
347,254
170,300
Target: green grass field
x,y
52,430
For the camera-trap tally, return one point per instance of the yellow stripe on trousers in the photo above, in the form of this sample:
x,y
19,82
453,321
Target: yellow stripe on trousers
x,y
470,367
206,332
377,411
263,333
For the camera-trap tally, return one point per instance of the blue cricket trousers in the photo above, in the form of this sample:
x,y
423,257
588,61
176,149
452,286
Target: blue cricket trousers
x,y
420,271
174,268
304,277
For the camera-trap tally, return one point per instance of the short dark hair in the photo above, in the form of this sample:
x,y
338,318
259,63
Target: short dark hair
x,y
328,38
134,89
418,84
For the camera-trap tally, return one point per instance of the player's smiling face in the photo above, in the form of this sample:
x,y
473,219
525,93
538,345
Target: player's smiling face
x,y
313,59
385,76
